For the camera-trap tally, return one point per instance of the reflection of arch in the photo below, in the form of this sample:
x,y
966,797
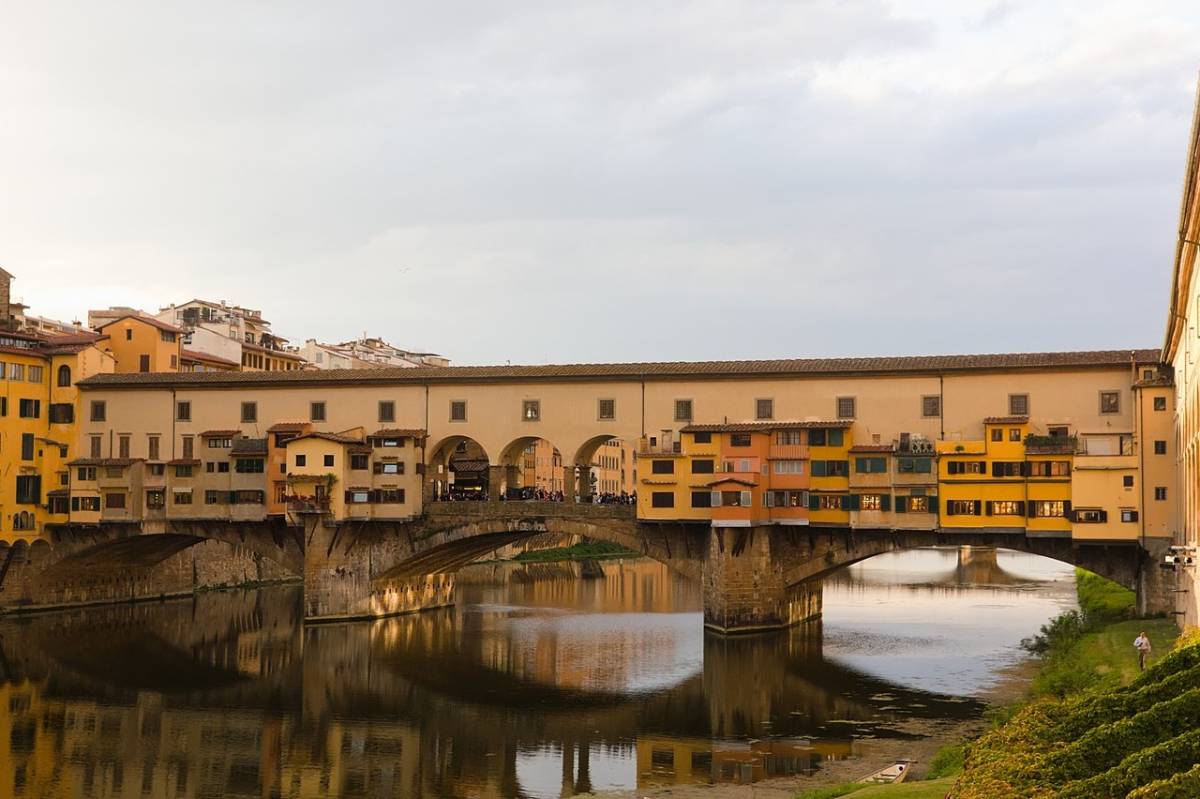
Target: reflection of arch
x,y
64,376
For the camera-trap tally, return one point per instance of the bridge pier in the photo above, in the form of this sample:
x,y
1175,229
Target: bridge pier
x,y
744,585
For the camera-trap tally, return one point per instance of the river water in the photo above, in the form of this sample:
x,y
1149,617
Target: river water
x,y
545,681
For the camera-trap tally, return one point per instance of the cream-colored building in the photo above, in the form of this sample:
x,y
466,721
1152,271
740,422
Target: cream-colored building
x,y
367,352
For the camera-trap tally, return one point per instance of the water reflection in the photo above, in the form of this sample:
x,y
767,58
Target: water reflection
x,y
547,681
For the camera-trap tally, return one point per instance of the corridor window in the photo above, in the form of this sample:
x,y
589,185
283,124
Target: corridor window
x,y
387,411
606,409
931,406
316,411
1018,404
662,499
1110,402
249,411
531,410
764,409
846,407
458,410
683,410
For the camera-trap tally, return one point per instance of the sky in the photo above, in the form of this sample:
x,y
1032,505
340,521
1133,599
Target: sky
x,y
540,181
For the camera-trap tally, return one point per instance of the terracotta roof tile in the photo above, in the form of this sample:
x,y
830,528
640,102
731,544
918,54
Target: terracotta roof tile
x,y
249,446
336,438
1006,420
765,427
288,427
103,461
398,432
807,367
872,448
195,355
150,320
220,433
184,462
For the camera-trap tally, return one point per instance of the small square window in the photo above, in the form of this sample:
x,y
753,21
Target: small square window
x,y
1127,480
764,409
387,411
301,460
1110,402
1160,403
1129,515
997,434
316,411
458,410
931,406
683,410
1160,493
531,410
846,407
99,411
328,460
183,411
1160,448
1018,404
1014,434
249,411
606,409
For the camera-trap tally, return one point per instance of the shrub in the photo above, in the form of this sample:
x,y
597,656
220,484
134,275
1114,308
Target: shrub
x,y
1159,762
1057,634
1094,711
948,761
1180,786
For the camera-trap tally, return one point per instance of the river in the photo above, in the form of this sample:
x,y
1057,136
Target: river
x,y
546,681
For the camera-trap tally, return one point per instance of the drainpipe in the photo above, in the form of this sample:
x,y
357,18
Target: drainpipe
x,y
941,407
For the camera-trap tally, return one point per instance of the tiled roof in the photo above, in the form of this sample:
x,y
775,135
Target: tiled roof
x,y
738,480
150,320
1006,420
184,462
194,355
103,461
806,367
288,427
872,448
397,432
249,446
764,427
220,433
336,438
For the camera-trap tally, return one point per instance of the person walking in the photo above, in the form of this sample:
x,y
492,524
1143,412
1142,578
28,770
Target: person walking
x,y
1142,645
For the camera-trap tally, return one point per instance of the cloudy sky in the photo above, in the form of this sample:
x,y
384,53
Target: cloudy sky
x,y
582,181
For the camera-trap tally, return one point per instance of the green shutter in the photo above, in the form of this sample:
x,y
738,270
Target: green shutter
x,y
853,502
902,504
818,468
885,502
814,502
933,504
836,438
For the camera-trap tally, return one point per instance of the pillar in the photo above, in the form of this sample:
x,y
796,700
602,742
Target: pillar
x,y
1156,587
744,588
585,482
570,483
497,482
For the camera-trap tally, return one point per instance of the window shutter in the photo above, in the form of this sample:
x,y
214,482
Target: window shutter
x,y
1021,507
348,497
885,502
978,507
1067,508
949,508
232,498
1026,468
746,499
1133,516
996,469
1031,509
818,468
853,502
1103,515
814,502
933,504
987,508
901,504
716,499
768,499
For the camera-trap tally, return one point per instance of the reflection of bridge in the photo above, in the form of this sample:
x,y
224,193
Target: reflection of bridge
x,y
275,704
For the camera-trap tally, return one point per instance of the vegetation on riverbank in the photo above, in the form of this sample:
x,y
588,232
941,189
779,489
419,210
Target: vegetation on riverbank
x,y
585,550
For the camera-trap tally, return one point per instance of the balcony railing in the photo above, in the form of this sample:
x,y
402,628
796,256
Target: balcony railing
x,y
1051,445
308,504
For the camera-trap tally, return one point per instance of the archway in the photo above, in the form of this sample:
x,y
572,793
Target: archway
x,y
458,469
533,469
608,467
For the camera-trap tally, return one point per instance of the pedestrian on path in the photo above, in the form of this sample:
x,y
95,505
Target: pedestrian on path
x,y
1142,645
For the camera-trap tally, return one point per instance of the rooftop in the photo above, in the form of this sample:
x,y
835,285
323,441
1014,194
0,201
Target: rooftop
x,y
715,370
764,427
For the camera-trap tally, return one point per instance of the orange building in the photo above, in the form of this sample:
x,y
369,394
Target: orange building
x,y
143,344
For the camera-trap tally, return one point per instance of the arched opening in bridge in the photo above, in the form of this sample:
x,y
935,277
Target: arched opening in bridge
x,y
609,466
458,469
533,469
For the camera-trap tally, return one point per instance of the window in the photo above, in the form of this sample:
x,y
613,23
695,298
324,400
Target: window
x,y
64,376
156,499
1127,480
931,406
701,499
1110,402
248,497
829,502
830,468
913,504
249,465
1049,508
152,447
218,442
1006,507
1018,404
181,498
606,409
358,461
1059,431
845,407
817,438
914,465
662,499
702,438
27,446
183,411
29,489
739,439
210,467
764,409
963,507
965,467
1008,468
704,466
1160,493
16,371
327,460
1160,404
1014,434
86,474
157,469
114,500
1129,515
683,410
358,496
789,438
301,460
36,374
870,465
215,497
249,411
85,504
128,334
143,362
189,447
62,413
114,471
785,499
183,470
123,446
789,467
662,467
870,502
836,438
997,434
458,410
94,446
390,496
531,410
1049,468
29,409
316,411
1091,516
389,467
1160,448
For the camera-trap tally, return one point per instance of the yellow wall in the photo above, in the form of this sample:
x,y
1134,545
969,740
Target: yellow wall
x,y
129,339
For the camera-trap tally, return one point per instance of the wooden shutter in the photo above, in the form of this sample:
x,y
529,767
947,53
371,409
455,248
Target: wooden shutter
x,y
1103,515
1031,509
746,499
901,504
853,502
1067,509
987,508
950,508
933,504
814,502
1021,507
978,507
715,499
885,502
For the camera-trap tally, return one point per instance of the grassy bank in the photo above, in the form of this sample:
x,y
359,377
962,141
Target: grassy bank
x,y
586,550
1093,726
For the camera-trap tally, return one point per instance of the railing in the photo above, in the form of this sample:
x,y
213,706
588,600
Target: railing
x,y
785,452
308,504
1052,445
525,509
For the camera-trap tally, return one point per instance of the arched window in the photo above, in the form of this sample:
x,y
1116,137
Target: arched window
x,y
64,376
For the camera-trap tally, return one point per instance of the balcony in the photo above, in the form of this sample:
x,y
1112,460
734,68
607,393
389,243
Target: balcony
x,y
788,452
1051,445
308,504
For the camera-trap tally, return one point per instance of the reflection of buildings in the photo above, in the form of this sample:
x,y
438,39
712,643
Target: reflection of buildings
x,y
703,760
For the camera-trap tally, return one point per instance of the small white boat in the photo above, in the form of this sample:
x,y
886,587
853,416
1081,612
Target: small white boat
x,y
892,774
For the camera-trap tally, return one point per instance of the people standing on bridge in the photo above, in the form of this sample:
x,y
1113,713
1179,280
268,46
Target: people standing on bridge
x,y
1142,645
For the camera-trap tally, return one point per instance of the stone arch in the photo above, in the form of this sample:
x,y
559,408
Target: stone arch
x,y
441,473
586,454
534,463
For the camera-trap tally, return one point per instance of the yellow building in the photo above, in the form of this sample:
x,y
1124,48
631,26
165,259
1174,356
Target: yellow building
x,y
143,344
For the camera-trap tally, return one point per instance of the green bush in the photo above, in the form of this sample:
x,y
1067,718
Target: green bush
x,y
1159,762
1180,659
947,762
1101,599
1179,786
831,792
1057,634
1094,711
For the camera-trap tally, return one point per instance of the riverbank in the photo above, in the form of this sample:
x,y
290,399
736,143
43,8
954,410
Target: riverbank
x,y
585,550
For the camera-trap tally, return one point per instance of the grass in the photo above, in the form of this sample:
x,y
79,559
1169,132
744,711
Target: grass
x,y
926,789
1101,660
586,550
947,762
1102,599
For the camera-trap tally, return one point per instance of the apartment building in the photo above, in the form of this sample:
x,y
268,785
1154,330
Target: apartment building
x,y
368,352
